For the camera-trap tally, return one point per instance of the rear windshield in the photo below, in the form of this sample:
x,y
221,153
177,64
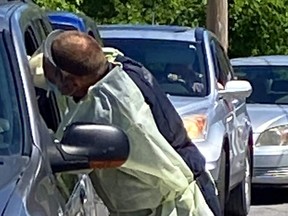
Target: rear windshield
x,y
178,66
64,27
269,83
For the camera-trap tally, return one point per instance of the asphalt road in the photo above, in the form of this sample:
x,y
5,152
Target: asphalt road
x,y
269,202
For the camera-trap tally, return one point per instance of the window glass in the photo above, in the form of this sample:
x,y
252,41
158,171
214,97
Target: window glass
x,y
64,27
178,66
224,69
269,83
10,121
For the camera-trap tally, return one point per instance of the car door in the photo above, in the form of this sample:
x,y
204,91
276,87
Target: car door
x,y
76,189
238,118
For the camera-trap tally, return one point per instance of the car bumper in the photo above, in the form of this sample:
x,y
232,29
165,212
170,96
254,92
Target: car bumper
x,y
271,165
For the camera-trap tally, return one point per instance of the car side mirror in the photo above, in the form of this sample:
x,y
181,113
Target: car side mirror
x,y
236,88
90,146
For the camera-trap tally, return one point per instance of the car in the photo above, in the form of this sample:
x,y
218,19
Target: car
x,y
191,67
74,21
267,107
31,162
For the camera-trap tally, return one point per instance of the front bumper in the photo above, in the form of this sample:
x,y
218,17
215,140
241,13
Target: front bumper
x,y
271,165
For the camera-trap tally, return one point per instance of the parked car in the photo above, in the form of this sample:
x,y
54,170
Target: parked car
x,y
188,63
72,21
29,159
268,110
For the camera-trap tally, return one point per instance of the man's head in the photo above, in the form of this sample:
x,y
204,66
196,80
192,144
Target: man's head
x,y
76,62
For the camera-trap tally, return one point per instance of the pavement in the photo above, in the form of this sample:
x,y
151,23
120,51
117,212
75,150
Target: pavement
x,y
268,201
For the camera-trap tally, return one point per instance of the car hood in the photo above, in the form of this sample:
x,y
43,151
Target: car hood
x,y
11,168
265,116
190,105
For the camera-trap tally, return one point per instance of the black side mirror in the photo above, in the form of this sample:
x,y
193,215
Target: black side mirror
x,y
89,146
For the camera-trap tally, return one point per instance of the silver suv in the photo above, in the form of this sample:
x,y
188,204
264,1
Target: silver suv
x,y
194,71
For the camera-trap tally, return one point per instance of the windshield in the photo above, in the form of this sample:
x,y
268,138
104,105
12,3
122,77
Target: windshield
x,y
178,66
10,123
269,83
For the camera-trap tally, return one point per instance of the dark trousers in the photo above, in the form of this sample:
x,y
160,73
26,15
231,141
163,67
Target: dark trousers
x,y
208,190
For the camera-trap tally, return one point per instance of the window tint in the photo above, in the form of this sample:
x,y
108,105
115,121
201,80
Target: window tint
x,y
178,66
10,121
269,83
223,67
64,27
30,41
41,29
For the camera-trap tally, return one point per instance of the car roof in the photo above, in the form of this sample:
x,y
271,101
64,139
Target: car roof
x,y
277,60
6,9
63,17
167,32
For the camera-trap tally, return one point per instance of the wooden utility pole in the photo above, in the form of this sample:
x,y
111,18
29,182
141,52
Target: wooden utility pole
x,y
217,20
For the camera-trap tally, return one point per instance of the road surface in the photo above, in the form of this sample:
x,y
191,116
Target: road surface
x,y
269,202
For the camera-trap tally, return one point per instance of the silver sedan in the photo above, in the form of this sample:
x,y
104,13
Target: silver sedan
x,y
268,111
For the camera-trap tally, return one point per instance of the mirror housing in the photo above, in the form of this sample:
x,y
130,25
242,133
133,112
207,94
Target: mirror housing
x,y
236,88
89,146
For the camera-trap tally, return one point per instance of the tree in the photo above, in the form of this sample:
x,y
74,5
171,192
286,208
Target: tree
x,y
258,28
217,20
68,5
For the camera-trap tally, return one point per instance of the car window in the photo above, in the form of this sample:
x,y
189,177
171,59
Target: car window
x,y
10,120
41,28
62,26
224,71
269,83
46,102
30,41
178,66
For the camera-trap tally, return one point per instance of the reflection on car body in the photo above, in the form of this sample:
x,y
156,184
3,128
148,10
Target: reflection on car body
x,y
268,110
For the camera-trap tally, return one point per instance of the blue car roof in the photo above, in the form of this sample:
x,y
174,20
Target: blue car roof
x,y
66,18
166,32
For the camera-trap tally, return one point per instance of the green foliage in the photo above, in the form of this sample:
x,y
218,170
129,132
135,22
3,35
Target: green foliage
x,y
68,5
256,27
177,12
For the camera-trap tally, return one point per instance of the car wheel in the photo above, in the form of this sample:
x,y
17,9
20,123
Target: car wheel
x,y
240,197
221,182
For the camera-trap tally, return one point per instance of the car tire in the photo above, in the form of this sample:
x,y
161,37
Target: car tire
x,y
240,197
221,182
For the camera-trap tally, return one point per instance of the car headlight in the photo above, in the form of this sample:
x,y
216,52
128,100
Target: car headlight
x,y
195,126
274,136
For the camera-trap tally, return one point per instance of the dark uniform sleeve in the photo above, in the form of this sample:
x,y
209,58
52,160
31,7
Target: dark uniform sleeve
x,y
168,121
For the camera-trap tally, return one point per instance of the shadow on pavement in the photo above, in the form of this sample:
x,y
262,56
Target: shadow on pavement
x,y
269,195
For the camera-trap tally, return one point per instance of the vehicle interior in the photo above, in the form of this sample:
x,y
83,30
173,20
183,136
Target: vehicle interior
x,y
46,102
175,65
269,84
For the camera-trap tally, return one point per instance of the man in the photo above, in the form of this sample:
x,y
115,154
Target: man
x,y
154,180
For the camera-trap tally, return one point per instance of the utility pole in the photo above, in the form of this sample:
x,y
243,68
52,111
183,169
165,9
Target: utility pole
x,y
217,20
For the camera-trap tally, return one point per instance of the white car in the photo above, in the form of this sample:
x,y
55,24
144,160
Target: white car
x,y
268,110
